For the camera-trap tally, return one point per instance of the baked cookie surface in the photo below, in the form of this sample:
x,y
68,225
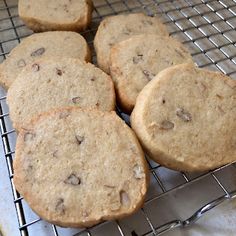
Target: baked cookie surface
x,y
136,61
114,29
50,83
185,118
44,15
76,168
47,44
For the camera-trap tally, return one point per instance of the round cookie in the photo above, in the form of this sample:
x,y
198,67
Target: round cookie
x,y
76,168
114,29
135,61
50,83
48,44
185,118
65,15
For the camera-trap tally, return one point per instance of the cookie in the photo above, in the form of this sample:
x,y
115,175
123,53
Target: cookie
x,y
65,15
185,118
114,29
48,44
51,83
76,168
135,61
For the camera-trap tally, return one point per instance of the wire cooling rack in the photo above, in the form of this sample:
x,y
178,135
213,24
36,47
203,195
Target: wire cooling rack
x,y
207,28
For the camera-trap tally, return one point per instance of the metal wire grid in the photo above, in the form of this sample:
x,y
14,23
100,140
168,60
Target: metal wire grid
x,y
207,28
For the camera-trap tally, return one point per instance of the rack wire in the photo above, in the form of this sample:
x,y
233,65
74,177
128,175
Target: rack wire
x,y
207,28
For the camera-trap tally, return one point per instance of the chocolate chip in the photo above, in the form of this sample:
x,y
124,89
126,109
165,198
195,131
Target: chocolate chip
x,y
163,101
21,63
73,180
59,72
75,100
38,52
97,104
183,115
166,125
148,74
60,207
79,139
138,58
35,67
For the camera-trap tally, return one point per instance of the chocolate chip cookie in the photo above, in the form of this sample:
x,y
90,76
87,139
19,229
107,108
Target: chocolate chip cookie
x,y
185,118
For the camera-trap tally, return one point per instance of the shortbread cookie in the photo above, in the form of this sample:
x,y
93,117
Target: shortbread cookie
x,y
114,29
44,15
185,118
48,44
51,83
135,61
76,167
